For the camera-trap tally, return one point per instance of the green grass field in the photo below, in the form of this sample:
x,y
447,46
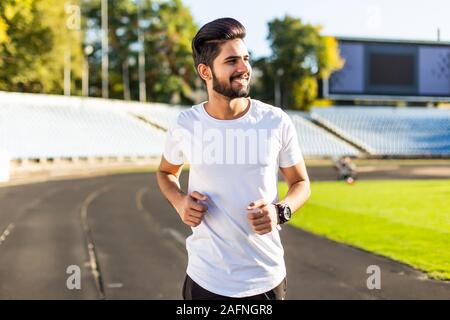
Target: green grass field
x,y
406,220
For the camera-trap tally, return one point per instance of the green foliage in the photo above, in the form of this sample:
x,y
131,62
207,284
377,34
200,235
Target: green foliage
x,y
33,40
263,81
301,56
171,71
168,29
304,91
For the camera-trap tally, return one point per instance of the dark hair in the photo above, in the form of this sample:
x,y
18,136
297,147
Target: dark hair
x,y
208,40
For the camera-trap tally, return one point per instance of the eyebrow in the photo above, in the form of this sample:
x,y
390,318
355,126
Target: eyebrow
x,y
236,57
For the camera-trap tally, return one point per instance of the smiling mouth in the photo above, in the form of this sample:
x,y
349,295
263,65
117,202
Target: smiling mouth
x,y
241,80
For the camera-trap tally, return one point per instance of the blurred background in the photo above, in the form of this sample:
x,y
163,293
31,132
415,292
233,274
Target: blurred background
x,y
88,89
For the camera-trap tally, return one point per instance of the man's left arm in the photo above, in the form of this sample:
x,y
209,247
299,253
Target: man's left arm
x,y
299,190
263,216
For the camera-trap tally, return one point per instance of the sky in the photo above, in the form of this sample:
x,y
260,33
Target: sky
x,y
391,19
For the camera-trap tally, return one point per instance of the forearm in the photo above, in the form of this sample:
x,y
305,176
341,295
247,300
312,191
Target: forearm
x,y
297,195
169,185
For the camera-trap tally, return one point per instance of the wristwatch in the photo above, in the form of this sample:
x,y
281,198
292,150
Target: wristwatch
x,y
284,212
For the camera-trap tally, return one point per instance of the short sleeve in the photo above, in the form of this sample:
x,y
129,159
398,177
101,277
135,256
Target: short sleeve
x,y
173,148
290,153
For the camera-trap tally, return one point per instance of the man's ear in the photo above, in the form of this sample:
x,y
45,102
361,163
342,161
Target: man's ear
x,y
204,71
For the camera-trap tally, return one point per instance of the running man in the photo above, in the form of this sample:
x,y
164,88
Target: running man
x,y
235,147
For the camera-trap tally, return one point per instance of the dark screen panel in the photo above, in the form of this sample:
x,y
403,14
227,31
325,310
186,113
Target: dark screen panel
x,y
391,69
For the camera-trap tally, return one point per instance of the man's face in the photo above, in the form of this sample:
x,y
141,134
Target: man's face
x,y
231,70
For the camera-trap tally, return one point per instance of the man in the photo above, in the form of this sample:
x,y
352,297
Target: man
x,y
235,146
346,169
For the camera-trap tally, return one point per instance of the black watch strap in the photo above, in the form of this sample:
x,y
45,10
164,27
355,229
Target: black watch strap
x,y
284,212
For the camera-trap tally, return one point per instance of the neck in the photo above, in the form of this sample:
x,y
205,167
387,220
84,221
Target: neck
x,y
224,108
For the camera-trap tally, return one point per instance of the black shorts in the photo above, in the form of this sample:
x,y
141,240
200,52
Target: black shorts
x,y
192,291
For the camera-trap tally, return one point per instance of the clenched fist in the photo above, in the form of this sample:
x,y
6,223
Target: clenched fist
x,y
263,217
191,210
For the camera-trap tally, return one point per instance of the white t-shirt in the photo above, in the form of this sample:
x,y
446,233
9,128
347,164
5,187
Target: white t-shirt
x,y
234,162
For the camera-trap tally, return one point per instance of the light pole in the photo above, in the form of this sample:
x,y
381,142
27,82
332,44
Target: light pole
x,y
105,61
85,73
126,80
72,24
278,75
130,63
67,71
141,57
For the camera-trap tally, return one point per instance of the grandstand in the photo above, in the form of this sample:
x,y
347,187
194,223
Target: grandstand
x,y
389,131
316,142
45,126
34,126
159,115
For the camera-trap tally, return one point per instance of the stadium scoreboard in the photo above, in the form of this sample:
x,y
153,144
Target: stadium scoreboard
x,y
391,70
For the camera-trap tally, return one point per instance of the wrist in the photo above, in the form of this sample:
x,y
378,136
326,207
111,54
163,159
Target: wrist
x,y
284,212
178,200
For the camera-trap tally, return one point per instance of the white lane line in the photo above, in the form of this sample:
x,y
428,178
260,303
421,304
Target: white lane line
x,y
115,285
93,261
29,206
139,196
6,233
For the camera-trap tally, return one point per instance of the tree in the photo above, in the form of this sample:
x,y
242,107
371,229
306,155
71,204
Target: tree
x,y
263,80
170,68
66,35
122,36
33,42
300,57
22,38
168,30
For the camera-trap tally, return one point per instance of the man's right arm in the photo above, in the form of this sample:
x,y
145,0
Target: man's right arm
x,y
189,209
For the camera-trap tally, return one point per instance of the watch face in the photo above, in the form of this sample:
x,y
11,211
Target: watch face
x,y
284,212
287,213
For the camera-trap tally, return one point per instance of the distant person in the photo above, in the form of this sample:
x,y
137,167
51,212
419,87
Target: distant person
x,y
235,146
346,169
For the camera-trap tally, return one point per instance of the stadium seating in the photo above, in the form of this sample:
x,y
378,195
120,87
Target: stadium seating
x,y
45,126
159,114
390,131
34,128
315,141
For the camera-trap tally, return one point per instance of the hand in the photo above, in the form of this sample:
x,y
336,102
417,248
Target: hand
x,y
263,217
191,211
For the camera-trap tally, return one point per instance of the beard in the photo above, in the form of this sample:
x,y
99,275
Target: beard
x,y
227,90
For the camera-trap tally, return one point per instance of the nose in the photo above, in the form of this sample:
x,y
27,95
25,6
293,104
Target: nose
x,y
244,66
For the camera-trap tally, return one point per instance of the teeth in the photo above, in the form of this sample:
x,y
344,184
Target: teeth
x,y
240,78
